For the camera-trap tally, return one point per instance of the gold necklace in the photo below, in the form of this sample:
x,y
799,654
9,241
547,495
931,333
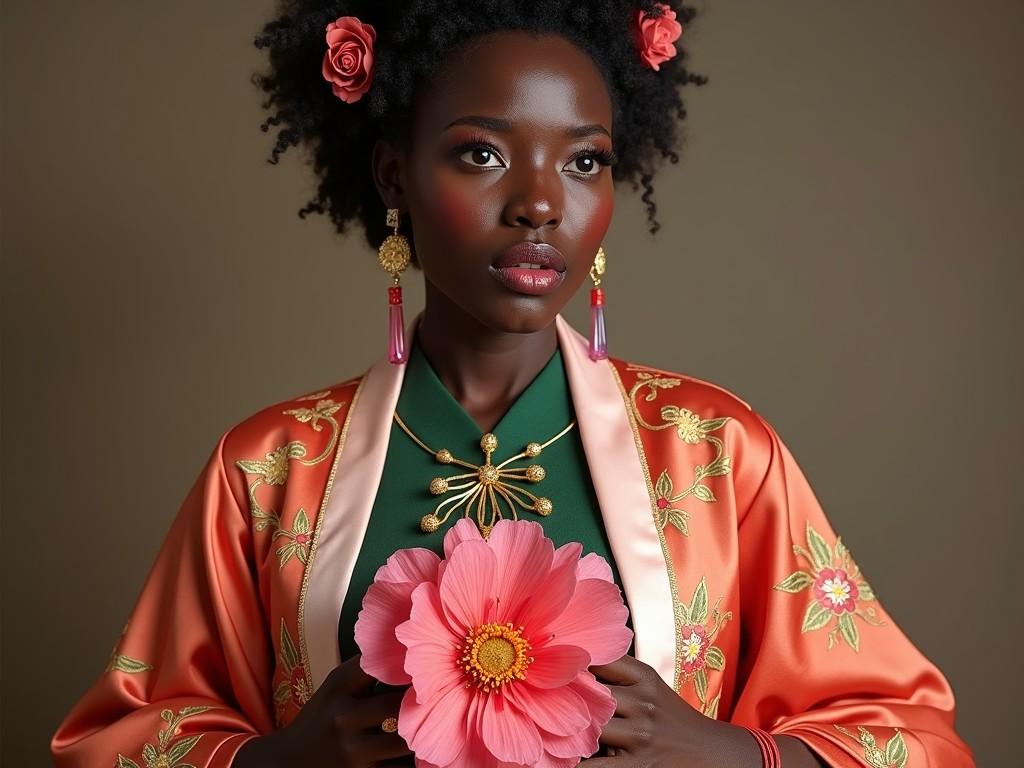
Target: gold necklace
x,y
485,484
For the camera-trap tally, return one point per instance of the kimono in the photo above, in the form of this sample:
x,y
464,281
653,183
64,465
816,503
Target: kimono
x,y
741,596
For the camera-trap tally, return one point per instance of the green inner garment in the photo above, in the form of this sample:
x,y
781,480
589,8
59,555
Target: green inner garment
x,y
436,418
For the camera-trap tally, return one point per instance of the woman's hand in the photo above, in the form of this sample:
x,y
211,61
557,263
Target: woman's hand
x,y
654,727
339,727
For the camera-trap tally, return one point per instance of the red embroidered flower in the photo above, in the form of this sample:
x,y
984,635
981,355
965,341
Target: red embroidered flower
x,y
834,590
695,647
348,63
298,686
656,36
302,538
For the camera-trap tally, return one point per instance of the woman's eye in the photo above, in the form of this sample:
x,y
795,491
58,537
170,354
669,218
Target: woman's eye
x,y
482,157
585,164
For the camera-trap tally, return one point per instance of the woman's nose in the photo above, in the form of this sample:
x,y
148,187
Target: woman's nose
x,y
536,200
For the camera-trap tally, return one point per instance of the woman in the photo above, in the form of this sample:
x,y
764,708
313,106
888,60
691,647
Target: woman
x,y
481,139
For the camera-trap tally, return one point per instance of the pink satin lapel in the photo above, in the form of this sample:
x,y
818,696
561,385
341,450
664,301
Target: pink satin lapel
x,y
622,491
347,512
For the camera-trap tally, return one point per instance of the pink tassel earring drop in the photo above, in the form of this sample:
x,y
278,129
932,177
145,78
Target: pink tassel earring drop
x,y
394,254
598,335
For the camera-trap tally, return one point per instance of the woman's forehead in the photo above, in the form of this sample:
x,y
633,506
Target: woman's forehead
x,y
542,81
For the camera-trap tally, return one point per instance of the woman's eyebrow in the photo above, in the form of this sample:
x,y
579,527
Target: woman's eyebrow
x,y
500,125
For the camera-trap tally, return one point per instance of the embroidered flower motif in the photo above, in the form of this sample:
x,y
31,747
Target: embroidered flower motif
x,y
696,653
495,641
293,688
834,590
324,409
167,753
695,647
688,424
837,591
273,470
299,537
656,35
895,754
348,62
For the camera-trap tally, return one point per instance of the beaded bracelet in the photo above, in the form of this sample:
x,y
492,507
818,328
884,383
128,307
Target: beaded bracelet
x,y
770,755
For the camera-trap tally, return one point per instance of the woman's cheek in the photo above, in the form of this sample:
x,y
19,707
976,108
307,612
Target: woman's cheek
x,y
458,209
599,219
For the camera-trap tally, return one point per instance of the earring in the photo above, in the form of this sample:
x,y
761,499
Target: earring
x,y
395,254
598,336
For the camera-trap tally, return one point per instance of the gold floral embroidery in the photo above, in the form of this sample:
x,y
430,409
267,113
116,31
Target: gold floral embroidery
x,y
894,756
696,636
294,687
693,430
670,569
118,662
836,592
167,753
324,410
274,468
298,540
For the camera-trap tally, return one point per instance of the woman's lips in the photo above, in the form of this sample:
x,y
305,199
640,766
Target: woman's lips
x,y
533,269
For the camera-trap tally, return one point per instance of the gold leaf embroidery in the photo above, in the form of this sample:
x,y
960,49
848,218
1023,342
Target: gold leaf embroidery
x,y
895,754
273,470
121,663
837,590
167,753
324,410
693,430
299,539
293,688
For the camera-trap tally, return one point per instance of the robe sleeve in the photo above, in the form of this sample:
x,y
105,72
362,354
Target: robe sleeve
x,y
189,681
822,661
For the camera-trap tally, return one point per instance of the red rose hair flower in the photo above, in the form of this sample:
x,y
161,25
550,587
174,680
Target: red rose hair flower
x,y
656,36
348,62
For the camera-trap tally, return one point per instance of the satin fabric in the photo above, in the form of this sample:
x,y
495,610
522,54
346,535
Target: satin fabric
x,y
742,597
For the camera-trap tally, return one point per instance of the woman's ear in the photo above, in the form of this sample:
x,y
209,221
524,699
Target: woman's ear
x,y
389,174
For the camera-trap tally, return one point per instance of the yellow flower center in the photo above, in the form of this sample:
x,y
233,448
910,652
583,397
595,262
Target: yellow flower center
x,y
495,654
488,474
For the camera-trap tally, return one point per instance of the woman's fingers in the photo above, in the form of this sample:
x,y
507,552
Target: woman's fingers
x,y
375,710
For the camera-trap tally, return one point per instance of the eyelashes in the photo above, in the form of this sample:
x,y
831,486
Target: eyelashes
x,y
603,157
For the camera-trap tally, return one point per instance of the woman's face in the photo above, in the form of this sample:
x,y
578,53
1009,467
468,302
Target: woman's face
x,y
504,179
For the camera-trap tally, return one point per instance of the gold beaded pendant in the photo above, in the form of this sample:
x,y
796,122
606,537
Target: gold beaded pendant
x,y
489,487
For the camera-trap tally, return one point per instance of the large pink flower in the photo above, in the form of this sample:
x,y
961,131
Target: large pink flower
x,y
834,590
495,641
656,36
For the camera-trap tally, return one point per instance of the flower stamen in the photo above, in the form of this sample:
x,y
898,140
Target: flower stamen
x,y
495,654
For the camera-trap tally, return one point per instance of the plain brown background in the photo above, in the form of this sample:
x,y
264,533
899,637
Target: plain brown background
x,y
841,248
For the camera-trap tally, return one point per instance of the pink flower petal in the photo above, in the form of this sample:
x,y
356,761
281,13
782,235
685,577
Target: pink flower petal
x,y
467,586
429,649
595,619
600,705
414,565
559,587
385,606
524,558
435,731
560,711
508,733
593,566
555,665
463,530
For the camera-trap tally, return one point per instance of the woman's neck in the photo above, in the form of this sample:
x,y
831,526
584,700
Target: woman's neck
x,y
485,370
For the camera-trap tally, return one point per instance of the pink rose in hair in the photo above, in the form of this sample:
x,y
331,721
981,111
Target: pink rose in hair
x,y
348,63
656,36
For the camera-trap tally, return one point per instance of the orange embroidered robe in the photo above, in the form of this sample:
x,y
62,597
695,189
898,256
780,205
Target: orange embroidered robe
x,y
742,597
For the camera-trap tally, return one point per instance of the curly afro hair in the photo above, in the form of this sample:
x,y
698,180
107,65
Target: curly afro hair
x,y
413,39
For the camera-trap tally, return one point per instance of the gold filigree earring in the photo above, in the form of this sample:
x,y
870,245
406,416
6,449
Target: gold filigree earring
x,y
598,336
394,254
